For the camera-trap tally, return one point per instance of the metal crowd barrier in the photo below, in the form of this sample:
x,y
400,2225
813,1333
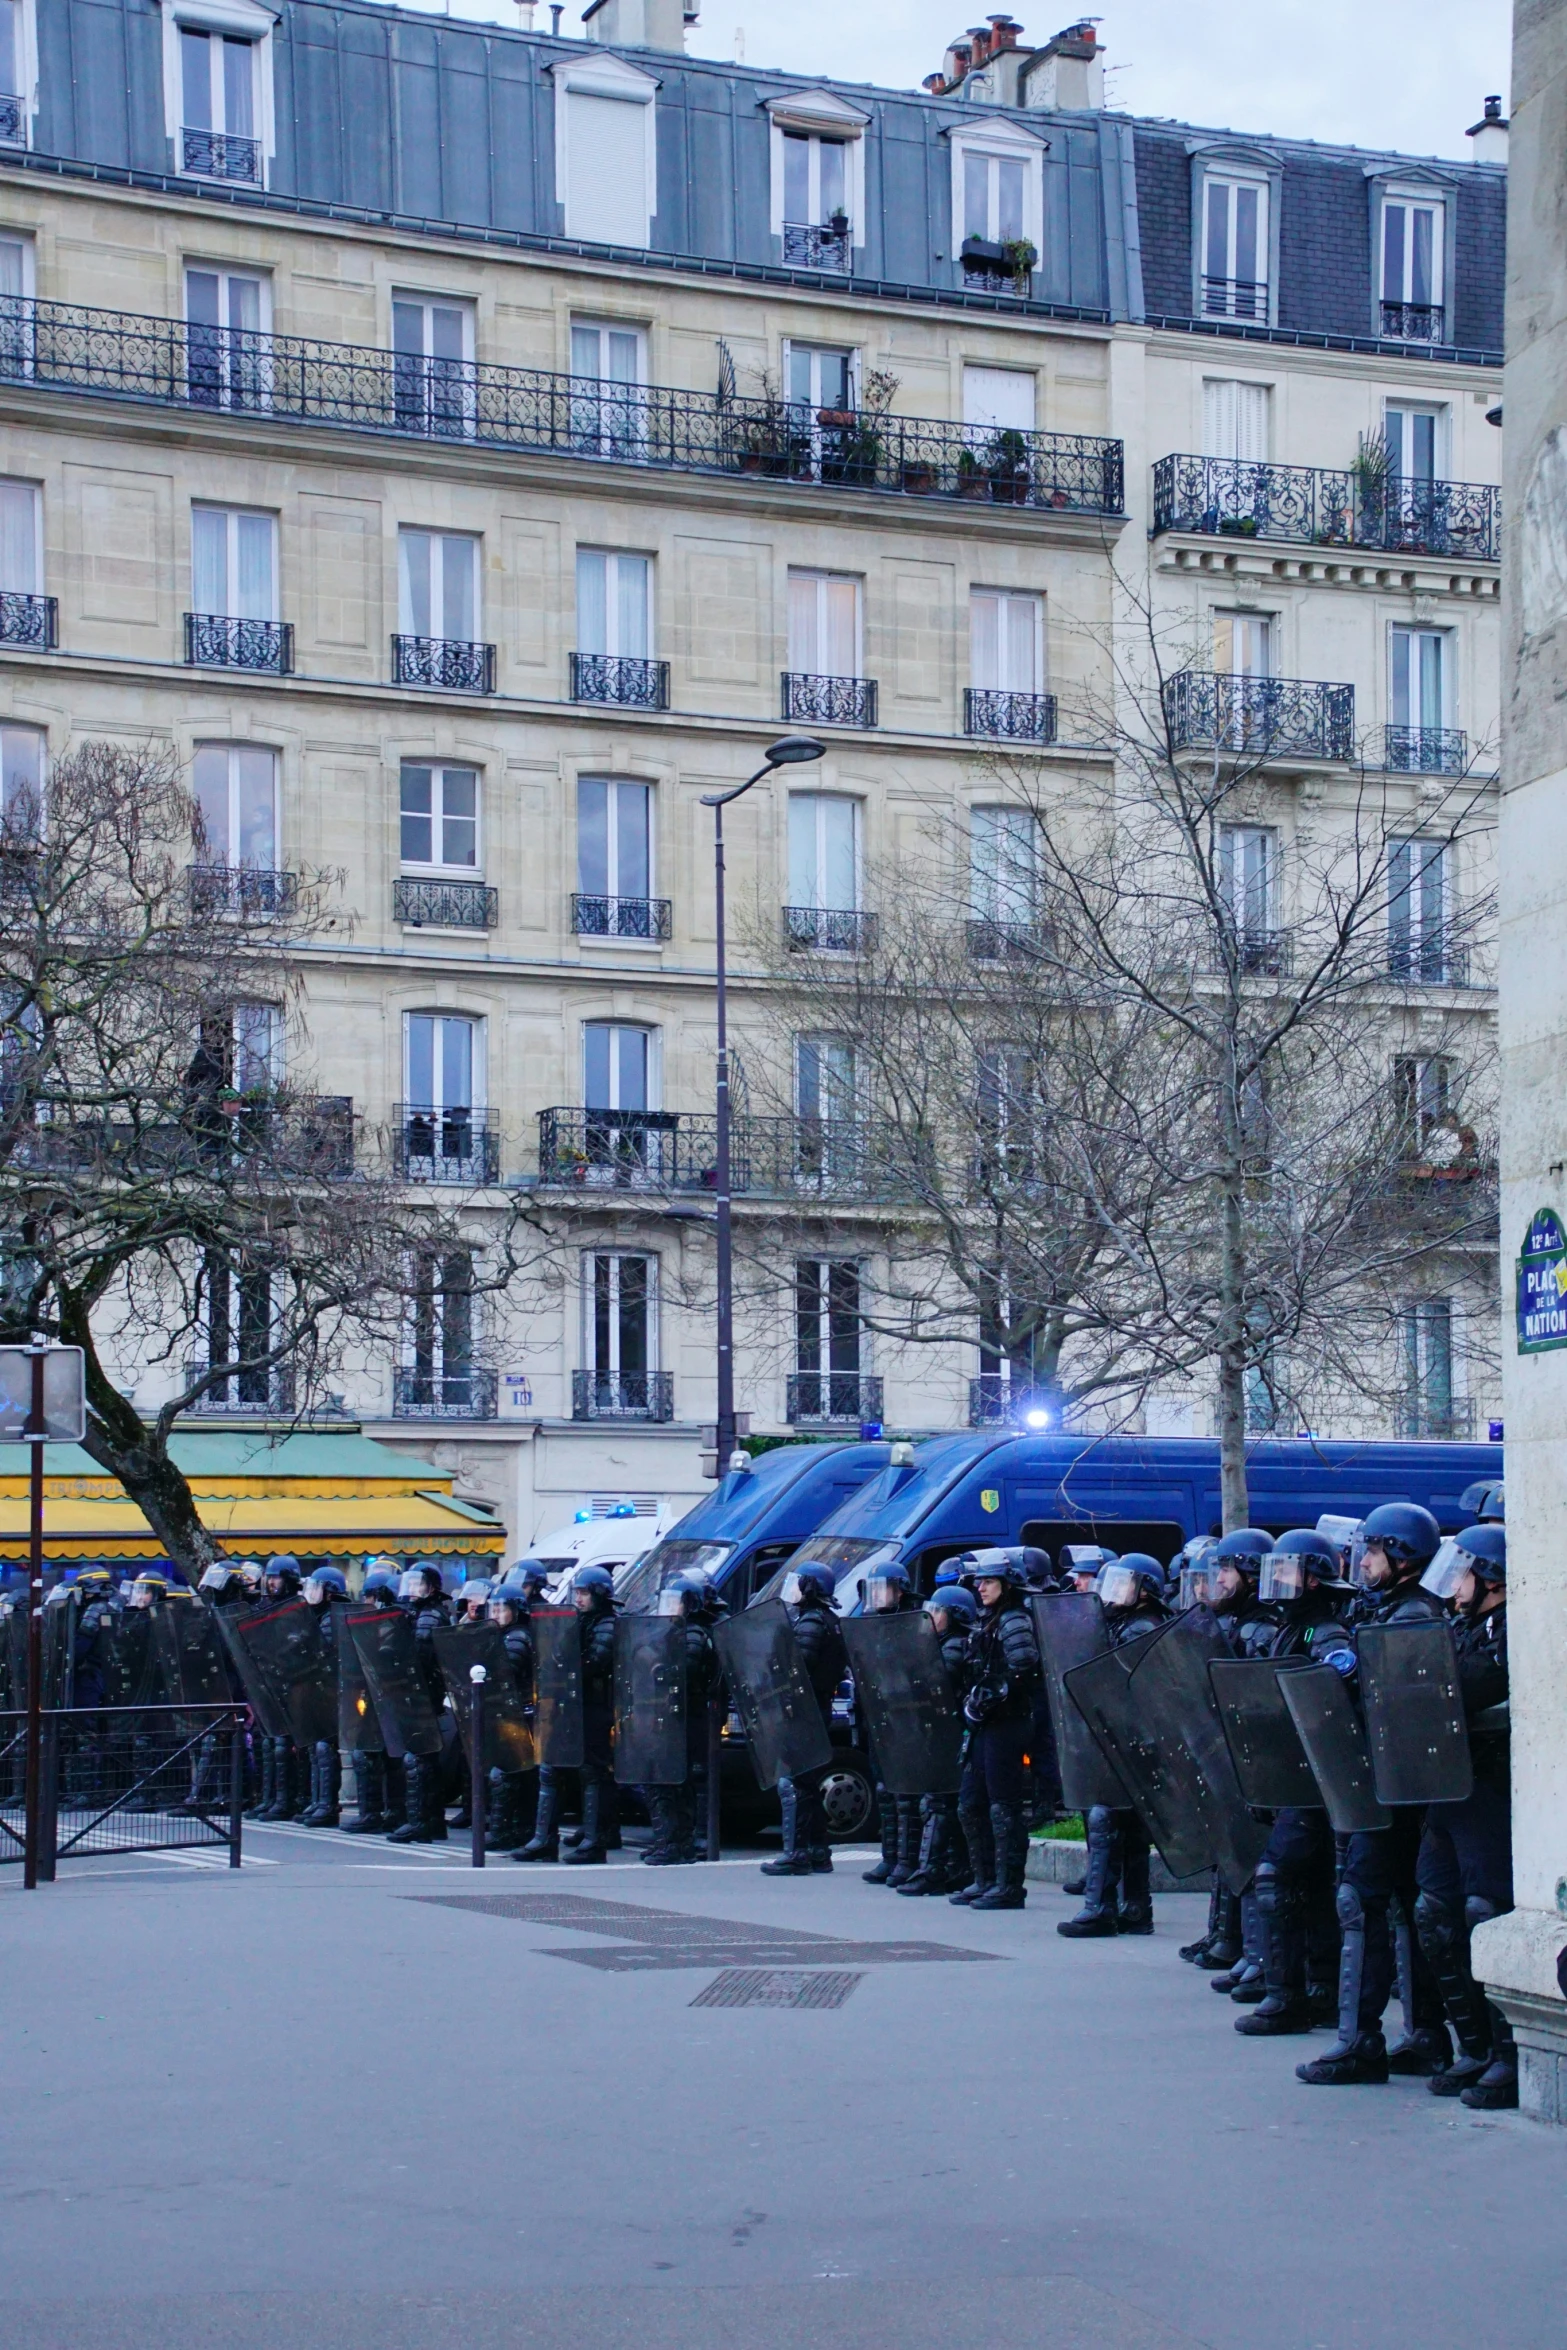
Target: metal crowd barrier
x,y
145,1778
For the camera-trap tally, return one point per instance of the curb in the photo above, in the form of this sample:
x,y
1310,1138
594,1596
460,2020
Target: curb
x,y
1052,1859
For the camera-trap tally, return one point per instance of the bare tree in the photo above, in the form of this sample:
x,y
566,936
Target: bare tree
x,y
170,1200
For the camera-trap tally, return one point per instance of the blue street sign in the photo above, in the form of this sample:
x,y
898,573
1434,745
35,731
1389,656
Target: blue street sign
x,y
1542,1285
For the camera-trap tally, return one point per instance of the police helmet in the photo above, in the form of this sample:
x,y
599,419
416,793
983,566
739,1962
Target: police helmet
x,y
816,1577
1406,1533
148,1589
1302,1552
957,1601
592,1579
1085,1558
949,1571
379,1579
1487,1499
283,1568
216,1577
885,1586
683,1594
528,1572
992,1566
1478,1550
476,1587
324,1584
1190,1569
1245,1548
1125,1582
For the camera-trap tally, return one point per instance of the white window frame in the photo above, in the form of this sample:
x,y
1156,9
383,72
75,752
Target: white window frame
x,y
586,322
14,481
408,531
655,1066
1231,181
613,557
1266,625
26,69
231,750
1236,384
477,1026
438,770
1412,197
617,1257
1441,423
824,1368
612,837
604,76
245,18
1238,892
839,1049
1004,599
9,789
232,515
1004,141
1013,892
818,351
824,579
821,115
1416,632
819,802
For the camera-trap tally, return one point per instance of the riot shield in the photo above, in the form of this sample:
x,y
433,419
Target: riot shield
x,y
1102,1691
13,1658
267,1706
358,1730
1171,1689
59,1651
906,1701
383,1640
288,1649
201,1677
508,1728
130,1667
1334,1737
1414,1713
1070,1627
557,1687
1265,1746
772,1693
650,1701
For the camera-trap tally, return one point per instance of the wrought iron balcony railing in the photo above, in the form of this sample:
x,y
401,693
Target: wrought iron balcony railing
x,y
624,683
829,701
1430,958
443,661
265,1390
1259,717
250,891
220,155
446,1146
1425,750
834,1398
464,1393
600,917
829,930
816,248
1253,950
1007,717
1317,506
309,1137
598,1151
60,346
444,905
1235,297
13,119
1451,1421
29,620
622,1395
214,640
1413,322
997,1397
992,941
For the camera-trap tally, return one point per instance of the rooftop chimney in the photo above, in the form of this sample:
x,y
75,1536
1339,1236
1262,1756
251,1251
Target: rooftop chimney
x,y
639,24
1067,73
1490,134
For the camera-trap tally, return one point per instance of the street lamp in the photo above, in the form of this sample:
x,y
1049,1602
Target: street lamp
x,y
792,750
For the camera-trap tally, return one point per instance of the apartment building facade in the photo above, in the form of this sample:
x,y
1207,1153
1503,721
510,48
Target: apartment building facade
x,y
469,448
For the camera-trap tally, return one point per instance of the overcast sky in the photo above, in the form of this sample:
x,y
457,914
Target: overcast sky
x,y
1408,74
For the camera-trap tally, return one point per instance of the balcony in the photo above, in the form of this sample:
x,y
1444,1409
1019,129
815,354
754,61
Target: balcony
x,y
995,1399
262,1393
215,640
305,1138
622,683
1007,717
829,701
817,248
1235,297
220,155
990,941
832,1399
446,1146
29,620
828,930
463,1394
65,347
1413,322
667,1151
600,917
444,905
998,265
1425,750
623,1395
446,663
1259,718
13,120
1433,958
1253,951
248,892
1313,506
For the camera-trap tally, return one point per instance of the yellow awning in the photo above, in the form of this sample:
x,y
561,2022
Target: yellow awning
x,y
248,1524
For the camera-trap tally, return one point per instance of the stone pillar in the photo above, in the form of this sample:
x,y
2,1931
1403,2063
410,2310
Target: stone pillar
x,y
1517,1956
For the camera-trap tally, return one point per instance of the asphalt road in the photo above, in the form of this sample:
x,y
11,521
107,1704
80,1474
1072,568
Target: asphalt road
x,y
353,2100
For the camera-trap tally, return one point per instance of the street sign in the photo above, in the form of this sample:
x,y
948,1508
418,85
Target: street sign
x,y
65,1394
1542,1285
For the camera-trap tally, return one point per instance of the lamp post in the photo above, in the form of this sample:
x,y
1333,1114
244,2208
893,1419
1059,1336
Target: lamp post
x,y
792,750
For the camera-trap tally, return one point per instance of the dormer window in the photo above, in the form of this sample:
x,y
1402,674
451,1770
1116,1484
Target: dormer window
x,y
1235,249
998,205
17,71
1412,262
818,180
217,88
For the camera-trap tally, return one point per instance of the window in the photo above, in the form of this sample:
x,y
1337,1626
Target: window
x,y
997,202
21,778
1007,1112
1243,644
819,378
1002,865
1412,266
439,1342
1007,641
233,562
998,399
815,180
235,789
1422,1101
995,197
258,1047
17,74
608,352
432,366
438,585
239,1329
614,604
619,1066
1418,912
615,840
440,817
606,172
610,420
16,321
1248,861
1235,419
1235,248
444,1061
1264,1406
1419,679
21,551
824,624
1429,1405
824,1080
227,311
818,192
824,851
827,1339
1413,442
620,1338
218,112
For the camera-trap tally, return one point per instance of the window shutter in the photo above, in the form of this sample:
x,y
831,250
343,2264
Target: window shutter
x,y
1235,420
606,169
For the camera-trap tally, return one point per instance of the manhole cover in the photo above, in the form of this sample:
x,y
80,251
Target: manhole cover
x,y
755,1986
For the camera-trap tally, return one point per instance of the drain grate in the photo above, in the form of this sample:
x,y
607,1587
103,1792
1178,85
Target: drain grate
x,y
761,1986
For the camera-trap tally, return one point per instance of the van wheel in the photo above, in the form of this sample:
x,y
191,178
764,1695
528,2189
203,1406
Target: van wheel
x,y
849,1798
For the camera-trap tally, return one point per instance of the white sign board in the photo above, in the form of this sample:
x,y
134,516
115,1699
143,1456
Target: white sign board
x,y
65,1394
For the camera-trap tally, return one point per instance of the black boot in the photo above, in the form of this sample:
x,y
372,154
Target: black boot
x,y
309,1818
266,1795
591,1850
396,1791
887,1813
1496,2091
1194,1953
793,1861
1424,2047
1282,1927
908,1841
1443,1930
426,1821
506,1831
1360,2054
544,1843
930,1872
974,1819
1243,1981
1135,1915
1097,1917
1010,1832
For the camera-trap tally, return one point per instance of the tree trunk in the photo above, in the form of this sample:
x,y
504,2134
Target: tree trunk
x,y
1234,1500
118,1440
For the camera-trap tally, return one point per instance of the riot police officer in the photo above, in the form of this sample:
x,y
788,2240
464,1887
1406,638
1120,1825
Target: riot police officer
x,y
1004,1672
1234,1568
513,1794
675,1811
282,1764
954,1614
593,1597
1296,1916
1464,1868
379,1778
321,1587
1377,1888
1079,1566
1117,1894
422,1595
889,1592
820,1643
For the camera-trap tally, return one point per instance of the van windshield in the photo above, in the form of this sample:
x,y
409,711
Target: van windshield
x,y
638,1594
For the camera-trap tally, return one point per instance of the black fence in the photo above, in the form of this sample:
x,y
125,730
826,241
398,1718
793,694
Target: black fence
x,y
115,1779
1315,506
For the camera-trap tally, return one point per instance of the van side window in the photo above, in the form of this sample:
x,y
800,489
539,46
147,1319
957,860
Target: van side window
x,y
1160,1537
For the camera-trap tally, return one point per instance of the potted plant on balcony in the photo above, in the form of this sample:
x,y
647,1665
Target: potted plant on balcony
x,y
1371,478
1010,471
983,257
1020,258
856,440
767,435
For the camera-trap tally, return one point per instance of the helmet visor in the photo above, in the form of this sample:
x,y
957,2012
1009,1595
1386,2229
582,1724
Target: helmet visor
x,y
410,1584
1117,1586
671,1600
881,1592
213,1578
1444,1577
1283,1576
1194,1587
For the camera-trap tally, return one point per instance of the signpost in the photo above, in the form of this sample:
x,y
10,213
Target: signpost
x,y
43,1400
1542,1285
